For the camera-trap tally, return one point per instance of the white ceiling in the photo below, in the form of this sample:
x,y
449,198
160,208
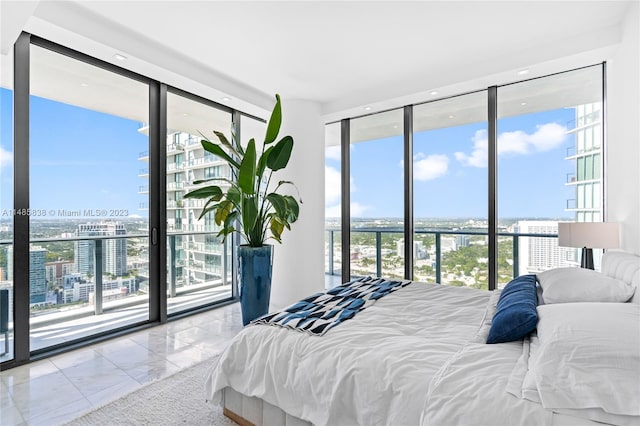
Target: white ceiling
x,y
343,55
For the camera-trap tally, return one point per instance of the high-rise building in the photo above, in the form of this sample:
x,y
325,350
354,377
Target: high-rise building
x,y
537,254
197,257
114,250
587,177
587,154
37,275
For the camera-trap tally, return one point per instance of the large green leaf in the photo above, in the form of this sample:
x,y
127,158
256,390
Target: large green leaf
x,y
293,209
217,150
230,219
262,162
222,211
224,141
247,173
233,195
249,213
273,128
206,192
276,227
281,153
278,202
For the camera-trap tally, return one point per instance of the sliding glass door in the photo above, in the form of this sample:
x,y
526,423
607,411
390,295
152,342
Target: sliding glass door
x,y
6,224
198,262
88,252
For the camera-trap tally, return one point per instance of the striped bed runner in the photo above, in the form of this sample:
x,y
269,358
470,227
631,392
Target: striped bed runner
x,y
321,312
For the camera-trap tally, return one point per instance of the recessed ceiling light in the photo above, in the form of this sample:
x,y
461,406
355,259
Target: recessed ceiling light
x,y
452,116
184,114
433,93
395,126
226,99
120,57
523,72
367,108
84,85
523,103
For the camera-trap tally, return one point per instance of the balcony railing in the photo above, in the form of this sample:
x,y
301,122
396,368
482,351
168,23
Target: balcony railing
x,y
438,253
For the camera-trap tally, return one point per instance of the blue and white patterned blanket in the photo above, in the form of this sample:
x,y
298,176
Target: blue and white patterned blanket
x,y
321,312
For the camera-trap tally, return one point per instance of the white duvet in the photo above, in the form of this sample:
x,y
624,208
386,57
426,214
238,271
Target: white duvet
x,y
374,369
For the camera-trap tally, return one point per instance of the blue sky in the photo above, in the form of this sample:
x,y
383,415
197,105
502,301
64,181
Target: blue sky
x,y
451,174
83,159
79,159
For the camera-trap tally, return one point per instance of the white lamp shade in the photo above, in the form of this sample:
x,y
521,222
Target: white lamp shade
x,y
589,234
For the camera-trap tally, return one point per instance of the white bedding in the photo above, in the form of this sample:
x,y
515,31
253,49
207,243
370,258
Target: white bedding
x,y
470,390
416,357
415,331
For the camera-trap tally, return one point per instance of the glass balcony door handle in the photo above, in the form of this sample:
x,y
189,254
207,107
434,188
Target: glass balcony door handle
x,y
154,236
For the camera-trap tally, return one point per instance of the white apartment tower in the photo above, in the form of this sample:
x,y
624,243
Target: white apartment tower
x,y
195,255
114,250
587,154
537,254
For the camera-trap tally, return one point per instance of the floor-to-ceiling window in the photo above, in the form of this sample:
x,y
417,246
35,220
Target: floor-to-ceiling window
x,y
198,267
6,224
377,196
493,173
450,191
88,253
333,197
93,214
549,162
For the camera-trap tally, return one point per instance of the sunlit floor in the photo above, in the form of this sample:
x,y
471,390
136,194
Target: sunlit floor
x,y
60,327
60,388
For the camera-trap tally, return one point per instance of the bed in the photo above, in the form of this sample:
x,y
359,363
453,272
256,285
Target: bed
x,y
419,356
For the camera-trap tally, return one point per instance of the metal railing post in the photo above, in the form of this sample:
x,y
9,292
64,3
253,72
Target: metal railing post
x,y
97,291
438,258
225,263
331,271
378,253
172,266
516,257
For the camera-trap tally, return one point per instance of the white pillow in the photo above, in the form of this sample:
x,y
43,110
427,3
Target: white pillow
x,y
589,358
568,285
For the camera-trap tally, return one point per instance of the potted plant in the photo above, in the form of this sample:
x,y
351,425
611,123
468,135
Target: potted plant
x,y
252,206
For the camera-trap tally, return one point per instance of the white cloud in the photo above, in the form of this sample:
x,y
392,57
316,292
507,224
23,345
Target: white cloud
x,y
332,182
333,152
546,137
357,210
6,157
429,167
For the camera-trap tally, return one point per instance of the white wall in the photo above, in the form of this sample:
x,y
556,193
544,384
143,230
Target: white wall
x,y
622,151
298,265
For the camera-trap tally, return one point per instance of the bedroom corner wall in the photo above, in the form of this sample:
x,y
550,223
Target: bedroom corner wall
x,y
298,265
623,134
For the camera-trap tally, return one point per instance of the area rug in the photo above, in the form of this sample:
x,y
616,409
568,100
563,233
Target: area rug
x,y
174,400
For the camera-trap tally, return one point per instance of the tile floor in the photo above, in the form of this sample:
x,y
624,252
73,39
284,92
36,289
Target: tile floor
x,y
58,389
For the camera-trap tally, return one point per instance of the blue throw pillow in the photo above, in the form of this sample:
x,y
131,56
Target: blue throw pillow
x,y
516,314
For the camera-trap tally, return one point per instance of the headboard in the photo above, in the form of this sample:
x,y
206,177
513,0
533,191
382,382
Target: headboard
x,y
625,267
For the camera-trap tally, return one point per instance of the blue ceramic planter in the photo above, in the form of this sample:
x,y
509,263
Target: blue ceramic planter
x,y
255,281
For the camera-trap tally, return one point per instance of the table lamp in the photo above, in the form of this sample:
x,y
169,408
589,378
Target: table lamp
x,y
588,235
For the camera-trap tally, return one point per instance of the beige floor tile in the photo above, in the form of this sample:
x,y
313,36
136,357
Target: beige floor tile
x,y
61,388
